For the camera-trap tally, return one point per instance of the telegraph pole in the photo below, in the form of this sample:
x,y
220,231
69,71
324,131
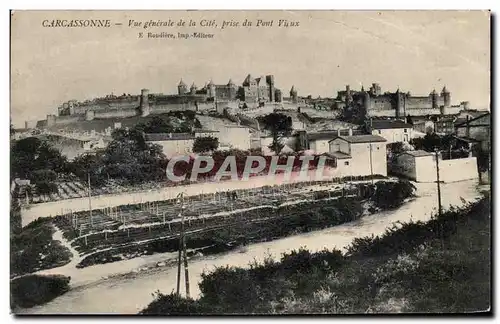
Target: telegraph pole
x,y
371,162
90,201
182,251
440,208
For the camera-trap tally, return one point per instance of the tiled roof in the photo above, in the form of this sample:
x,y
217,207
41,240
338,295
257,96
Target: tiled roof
x,y
168,136
362,139
338,155
322,136
483,120
388,124
418,153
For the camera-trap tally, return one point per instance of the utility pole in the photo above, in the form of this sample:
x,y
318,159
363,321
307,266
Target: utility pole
x,y
438,183
90,201
182,251
371,163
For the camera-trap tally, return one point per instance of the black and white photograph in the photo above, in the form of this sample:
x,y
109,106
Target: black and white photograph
x,y
250,162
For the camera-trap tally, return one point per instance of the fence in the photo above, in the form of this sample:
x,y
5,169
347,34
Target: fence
x,y
133,224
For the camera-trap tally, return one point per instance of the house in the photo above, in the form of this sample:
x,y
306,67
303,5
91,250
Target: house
x,y
178,143
235,136
318,141
478,128
425,126
392,130
359,155
445,125
421,166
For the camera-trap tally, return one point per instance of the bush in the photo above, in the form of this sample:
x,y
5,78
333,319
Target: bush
x,y
172,304
205,144
33,249
390,195
35,290
46,188
43,176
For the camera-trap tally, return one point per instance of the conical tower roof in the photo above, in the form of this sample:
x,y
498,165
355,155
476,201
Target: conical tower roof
x,y
182,84
247,80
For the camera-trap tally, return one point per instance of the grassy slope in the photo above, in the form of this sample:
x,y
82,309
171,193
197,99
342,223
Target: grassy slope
x,y
439,266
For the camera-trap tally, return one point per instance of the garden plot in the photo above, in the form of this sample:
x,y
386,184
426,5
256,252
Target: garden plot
x,y
131,224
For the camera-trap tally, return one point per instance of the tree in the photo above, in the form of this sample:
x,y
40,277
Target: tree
x,y
86,165
32,154
352,113
159,125
280,126
205,144
128,156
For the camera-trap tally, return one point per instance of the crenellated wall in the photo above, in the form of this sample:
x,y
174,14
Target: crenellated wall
x,y
382,103
116,113
418,102
63,120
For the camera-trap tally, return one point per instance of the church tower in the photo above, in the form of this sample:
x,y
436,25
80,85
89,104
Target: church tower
x,y
446,97
293,95
182,88
193,89
434,99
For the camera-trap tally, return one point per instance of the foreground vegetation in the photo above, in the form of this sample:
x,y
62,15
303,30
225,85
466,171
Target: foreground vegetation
x,y
32,290
32,248
442,265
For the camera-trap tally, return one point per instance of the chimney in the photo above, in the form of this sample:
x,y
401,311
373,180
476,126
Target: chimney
x,y
338,132
350,131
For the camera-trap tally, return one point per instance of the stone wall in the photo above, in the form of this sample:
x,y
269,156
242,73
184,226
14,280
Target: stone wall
x,y
116,113
380,104
63,120
423,169
418,102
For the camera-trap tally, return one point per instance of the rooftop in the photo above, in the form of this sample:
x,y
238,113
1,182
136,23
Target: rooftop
x,y
153,137
482,120
362,139
388,124
322,135
337,155
418,153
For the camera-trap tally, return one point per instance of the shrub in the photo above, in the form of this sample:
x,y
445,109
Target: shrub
x,y
172,304
34,290
392,194
46,188
43,175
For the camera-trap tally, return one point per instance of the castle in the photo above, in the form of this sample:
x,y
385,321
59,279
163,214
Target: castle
x,y
397,104
252,92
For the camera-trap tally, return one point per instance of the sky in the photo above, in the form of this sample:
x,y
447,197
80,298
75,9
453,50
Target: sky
x,y
417,51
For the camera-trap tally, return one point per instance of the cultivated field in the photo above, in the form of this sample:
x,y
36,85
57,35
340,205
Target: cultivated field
x,y
144,222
